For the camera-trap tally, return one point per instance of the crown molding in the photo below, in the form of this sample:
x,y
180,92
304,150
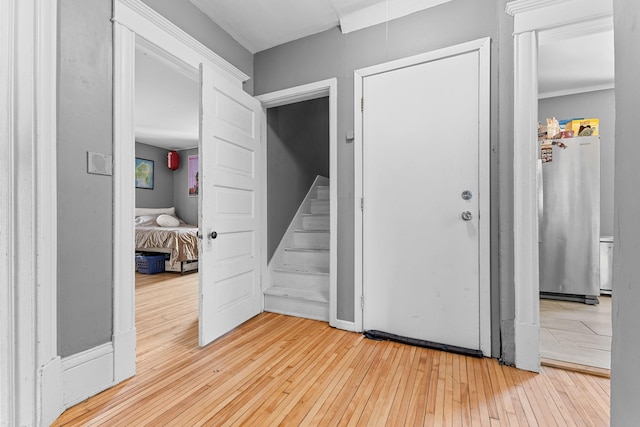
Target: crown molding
x,y
580,29
134,14
521,6
576,91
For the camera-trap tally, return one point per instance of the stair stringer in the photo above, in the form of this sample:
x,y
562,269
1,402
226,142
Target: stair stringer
x,y
287,240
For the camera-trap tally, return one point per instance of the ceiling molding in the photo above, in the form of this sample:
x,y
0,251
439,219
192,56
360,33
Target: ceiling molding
x,y
383,11
227,27
568,32
521,6
146,47
136,15
538,15
576,91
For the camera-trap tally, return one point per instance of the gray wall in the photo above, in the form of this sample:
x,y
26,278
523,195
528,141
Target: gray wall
x,y
192,21
297,151
331,54
625,355
186,207
84,201
161,196
600,105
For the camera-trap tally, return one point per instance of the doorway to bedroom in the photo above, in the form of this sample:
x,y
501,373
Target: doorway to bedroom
x,y
167,98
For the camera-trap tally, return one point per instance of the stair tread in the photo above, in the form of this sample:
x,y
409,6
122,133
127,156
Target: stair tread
x,y
320,200
312,231
303,294
303,269
316,214
313,250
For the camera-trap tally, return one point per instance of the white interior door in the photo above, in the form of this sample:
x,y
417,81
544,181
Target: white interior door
x,y
421,231
229,270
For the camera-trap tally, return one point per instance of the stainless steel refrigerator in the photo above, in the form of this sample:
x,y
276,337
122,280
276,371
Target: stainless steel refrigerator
x,y
569,214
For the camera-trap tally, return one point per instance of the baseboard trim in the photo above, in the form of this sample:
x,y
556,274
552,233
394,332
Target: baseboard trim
x,y
124,363
88,373
345,325
50,378
527,339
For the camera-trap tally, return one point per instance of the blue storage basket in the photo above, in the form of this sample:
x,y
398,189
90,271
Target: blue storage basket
x,y
150,264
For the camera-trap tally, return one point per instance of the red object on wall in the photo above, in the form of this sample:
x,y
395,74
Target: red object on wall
x,y
173,160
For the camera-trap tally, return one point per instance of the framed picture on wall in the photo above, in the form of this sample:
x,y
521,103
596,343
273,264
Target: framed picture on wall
x,y
193,178
144,173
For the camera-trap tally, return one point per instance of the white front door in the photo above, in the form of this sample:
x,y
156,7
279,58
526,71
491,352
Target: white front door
x,y
228,264
423,193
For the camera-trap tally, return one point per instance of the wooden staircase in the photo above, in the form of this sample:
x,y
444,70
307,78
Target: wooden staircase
x,y
300,267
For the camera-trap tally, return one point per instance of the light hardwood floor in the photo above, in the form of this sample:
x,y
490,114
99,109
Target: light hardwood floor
x,y
280,370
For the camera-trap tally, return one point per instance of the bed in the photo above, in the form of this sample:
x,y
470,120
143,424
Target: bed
x,y
161,231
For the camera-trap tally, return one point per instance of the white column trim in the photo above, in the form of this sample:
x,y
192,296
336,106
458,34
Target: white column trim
x,y
124,332
287,96
525,221
149,24
8,372
30,367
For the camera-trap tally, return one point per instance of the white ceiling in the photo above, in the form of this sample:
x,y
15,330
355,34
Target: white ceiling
x,y
167,103
258,25
571,60
576,60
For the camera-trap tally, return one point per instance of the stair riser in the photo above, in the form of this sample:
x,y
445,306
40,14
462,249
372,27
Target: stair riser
x,y
315,223
308,282
313,259
319,206
323,193
311,240
295,307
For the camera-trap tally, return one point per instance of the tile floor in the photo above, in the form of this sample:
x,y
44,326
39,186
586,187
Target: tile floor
x,y
575,332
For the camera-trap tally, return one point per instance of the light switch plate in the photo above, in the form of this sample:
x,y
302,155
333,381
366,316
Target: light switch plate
x,y
99,163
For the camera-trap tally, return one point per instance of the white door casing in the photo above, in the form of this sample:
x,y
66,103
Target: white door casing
x,y
418,147
289,96
229,207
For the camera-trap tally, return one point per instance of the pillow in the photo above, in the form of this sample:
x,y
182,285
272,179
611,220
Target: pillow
x,y
146,220
165,220
156,211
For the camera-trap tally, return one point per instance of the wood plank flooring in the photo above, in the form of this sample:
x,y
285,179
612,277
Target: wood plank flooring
x,y
280,370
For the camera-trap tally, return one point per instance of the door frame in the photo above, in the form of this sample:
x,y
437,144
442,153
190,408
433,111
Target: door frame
x,y
531,17
30,368
133,19
482,46
307,92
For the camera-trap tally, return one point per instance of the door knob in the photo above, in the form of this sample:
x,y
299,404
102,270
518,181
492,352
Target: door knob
x,y
467,216
213,235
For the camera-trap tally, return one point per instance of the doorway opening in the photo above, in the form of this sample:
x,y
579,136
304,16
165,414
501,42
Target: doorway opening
x,y
530,22
575,305
298,209
167,103
300,130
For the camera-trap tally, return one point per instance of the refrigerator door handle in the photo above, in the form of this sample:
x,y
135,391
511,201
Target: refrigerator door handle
x,y
540,188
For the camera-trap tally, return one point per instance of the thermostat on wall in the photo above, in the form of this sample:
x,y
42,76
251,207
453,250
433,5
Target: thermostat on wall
x,y
99,163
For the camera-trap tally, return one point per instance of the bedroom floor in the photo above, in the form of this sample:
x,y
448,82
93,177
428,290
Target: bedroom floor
x,y
575,332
